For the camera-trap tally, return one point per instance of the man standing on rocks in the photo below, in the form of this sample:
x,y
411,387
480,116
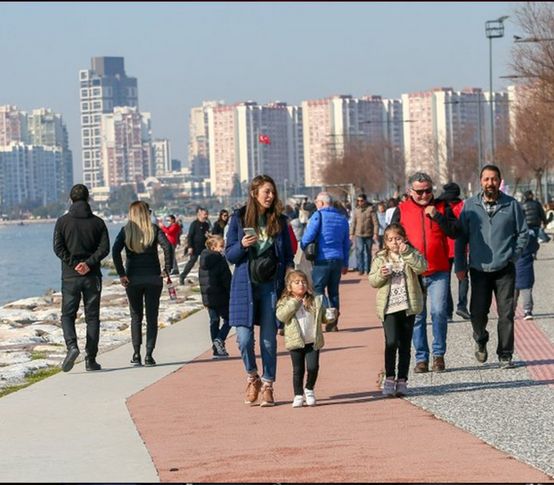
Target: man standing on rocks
x,y
81,241
493,224
196,240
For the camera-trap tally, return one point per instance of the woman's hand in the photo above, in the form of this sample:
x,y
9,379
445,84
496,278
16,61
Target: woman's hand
x,y
248,241
124,280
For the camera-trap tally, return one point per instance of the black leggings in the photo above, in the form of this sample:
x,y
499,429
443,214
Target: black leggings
x,y
398,337
141,296
302,358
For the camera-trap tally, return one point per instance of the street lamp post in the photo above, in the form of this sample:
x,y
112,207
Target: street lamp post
x,y
494,29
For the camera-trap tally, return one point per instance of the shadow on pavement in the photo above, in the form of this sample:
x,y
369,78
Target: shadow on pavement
x,y
473,386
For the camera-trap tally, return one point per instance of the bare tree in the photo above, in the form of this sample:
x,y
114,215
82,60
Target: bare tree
x,y
361,164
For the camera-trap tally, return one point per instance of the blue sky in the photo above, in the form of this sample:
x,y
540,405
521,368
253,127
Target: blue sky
x,y
185,52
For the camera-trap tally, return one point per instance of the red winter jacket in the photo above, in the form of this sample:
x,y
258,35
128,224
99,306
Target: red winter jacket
x,y
456,207
425,234
172,233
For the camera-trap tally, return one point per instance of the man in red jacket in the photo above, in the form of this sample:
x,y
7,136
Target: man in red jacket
x,y
428,224
173,233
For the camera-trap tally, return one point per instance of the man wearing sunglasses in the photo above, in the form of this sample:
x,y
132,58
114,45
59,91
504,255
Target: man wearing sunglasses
x,y
428,224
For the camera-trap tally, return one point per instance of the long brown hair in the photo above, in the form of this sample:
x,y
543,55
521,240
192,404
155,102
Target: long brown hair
x,y
287,292
253,211
139,231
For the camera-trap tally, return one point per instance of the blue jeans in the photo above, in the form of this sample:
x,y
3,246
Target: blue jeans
x,y
264,316
363,253
326,275
435,287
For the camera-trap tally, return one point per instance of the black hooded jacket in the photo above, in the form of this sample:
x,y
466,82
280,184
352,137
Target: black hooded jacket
x,y
214,276
80,236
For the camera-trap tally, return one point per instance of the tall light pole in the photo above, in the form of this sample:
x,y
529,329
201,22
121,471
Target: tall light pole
x,y
494,29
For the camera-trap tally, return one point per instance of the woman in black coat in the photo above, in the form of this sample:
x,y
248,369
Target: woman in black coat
x,y
141,276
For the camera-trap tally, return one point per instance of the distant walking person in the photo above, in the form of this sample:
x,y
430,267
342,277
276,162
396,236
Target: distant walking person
x,y
258,244
525,276
219,226
302,314
534,214
329,228
363,231
173,233
81,241
394,273
142,277
199,231
451,196
493,224
214,276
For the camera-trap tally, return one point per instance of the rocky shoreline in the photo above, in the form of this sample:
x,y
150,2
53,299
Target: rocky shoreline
x,y
31,337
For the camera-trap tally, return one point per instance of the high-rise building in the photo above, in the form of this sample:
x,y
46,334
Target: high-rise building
x,y
199,147
36,165
13,125
29,175
161,156
102,88
247,139
330,124
449,136
126,147
47,128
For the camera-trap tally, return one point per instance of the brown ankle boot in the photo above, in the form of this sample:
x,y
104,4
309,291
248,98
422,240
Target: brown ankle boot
x,y
252,390
267,395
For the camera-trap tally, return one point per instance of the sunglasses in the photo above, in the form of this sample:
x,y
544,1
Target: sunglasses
x,y
423,191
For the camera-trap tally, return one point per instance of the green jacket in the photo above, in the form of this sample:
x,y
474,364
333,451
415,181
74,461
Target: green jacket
x,y
286,313
414,264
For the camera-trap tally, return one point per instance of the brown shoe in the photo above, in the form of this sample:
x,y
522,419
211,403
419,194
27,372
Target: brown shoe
x,y
267,396
438,364
252,390
421,367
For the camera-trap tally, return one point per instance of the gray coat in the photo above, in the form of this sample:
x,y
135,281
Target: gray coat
x,y
494,241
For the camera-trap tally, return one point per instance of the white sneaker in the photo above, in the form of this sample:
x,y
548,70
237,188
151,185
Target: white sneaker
x,y
310,397
298,401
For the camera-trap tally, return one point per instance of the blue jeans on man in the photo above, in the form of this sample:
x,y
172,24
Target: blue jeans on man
x,y
435,287
363,253
264,315
326,275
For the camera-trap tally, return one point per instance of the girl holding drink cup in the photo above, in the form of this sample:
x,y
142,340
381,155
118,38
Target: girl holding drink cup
x,y
394,272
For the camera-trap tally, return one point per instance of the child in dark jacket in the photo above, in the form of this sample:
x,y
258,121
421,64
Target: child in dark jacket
x,y
525,276
215,284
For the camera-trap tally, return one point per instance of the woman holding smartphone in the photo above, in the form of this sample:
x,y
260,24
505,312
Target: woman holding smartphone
x,y
258,244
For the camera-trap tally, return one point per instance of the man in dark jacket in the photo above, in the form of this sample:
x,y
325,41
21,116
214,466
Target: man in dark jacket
x,y
534,213
81,241
196,240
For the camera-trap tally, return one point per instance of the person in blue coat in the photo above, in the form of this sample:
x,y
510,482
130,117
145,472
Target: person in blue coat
x,y
329,228
525,276
258,244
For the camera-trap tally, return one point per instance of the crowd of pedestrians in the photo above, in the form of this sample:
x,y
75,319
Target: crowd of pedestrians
x,y
287,265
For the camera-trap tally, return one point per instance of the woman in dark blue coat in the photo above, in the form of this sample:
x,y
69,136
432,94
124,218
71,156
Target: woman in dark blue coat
x,y
261,260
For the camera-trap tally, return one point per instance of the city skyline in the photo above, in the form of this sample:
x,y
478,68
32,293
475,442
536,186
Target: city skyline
x,y
185,53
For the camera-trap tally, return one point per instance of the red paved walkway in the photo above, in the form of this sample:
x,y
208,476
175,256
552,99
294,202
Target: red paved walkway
x,y
197,428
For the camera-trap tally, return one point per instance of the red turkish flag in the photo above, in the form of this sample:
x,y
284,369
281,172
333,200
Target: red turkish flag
x,y
264,139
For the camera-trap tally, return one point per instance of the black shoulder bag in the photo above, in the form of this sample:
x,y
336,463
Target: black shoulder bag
x,y
263,267
311,249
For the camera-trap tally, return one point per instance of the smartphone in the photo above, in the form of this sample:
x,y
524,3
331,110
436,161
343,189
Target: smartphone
x,y
250,231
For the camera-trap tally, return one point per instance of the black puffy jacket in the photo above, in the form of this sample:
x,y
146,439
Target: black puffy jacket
x,y
215,279
534,213
81,237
